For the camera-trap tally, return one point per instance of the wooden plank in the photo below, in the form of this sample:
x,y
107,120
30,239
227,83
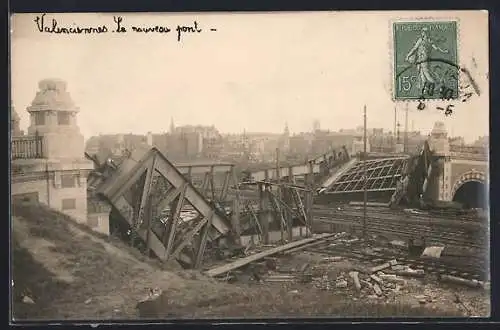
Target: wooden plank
x,y
246,260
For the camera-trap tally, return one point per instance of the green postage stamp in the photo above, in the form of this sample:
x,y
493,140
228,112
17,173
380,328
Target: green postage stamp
x,y
425,60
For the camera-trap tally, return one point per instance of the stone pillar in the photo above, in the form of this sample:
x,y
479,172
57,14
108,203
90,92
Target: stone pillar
x,y
439,144
53,117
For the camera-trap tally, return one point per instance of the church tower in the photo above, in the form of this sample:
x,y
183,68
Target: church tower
x,y
286,139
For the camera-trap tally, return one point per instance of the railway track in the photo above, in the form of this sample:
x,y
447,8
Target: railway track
x,y
404,217
459,238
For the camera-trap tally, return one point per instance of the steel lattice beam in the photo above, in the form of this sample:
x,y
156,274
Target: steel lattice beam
x,y
153,164
381,175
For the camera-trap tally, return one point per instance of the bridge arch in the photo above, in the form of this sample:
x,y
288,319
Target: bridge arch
x,y
470,190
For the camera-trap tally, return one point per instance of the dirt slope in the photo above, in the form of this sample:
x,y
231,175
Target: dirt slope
x,y
72,273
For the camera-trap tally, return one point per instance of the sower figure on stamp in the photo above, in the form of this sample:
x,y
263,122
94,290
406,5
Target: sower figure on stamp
x,y
423,47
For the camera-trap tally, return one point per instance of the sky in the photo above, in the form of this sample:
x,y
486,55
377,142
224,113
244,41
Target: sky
x,y
256,72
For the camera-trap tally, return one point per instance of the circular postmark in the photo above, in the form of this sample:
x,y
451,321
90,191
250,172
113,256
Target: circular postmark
x,y
447,82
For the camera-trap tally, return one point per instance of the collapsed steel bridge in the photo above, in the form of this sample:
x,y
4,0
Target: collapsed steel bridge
x,y
152,196
393,180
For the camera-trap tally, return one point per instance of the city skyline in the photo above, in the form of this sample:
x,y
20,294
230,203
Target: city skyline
x,y
243,77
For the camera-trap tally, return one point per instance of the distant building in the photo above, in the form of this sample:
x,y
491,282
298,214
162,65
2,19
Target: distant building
x,y
15,121
456,141
114,144
482,141
358,146
301,144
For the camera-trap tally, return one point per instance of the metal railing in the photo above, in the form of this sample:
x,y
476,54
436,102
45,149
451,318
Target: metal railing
x,y
27,147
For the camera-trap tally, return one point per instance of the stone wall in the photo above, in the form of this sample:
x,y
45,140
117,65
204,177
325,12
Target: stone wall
x,y
59,185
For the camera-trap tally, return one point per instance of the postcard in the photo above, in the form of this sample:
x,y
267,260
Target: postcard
x,y
272,165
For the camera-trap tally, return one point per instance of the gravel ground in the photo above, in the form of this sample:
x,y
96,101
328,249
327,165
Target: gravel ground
x,y
63,271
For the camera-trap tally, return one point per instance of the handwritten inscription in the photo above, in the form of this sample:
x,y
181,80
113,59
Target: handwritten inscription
x,y
118,25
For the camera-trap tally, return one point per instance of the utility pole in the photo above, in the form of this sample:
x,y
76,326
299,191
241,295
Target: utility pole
x,y
365,193
406,130
278,165
278,188
395,121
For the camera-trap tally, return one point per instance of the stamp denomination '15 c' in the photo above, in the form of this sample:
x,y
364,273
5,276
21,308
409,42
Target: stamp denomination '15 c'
x,y
425,60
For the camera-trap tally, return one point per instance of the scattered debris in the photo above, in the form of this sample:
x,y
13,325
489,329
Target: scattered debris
x,y
341,284
355,278
411,272
459,301
305,278
280,278
28,300
332,259
246,260
304,267
149,306
376,278
392,278
398,244
377,289
433,251
398,267
462,281
270,263
383,266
